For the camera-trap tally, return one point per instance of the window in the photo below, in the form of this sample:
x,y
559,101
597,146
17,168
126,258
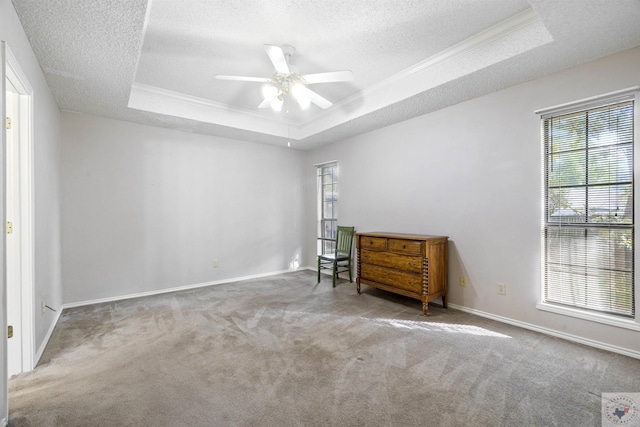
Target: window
x,y
327,207
588,216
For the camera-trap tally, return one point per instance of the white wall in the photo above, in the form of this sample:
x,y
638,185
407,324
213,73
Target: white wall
x,y
147,209
473,172
46,181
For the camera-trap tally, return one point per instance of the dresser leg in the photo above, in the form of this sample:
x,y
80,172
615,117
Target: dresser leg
x,y
444,301
358,286
425,307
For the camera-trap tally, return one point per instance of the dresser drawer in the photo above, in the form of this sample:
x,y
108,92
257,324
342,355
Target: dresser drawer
x,y
409,263
391,277
375,243
406,246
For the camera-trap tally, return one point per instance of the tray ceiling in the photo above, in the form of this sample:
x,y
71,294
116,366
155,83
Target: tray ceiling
x,y
154,62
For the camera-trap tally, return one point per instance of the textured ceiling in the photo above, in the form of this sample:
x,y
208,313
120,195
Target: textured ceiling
x,y
154,62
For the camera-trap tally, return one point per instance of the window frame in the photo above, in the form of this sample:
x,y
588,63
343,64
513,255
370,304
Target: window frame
x,y
326,244
629,94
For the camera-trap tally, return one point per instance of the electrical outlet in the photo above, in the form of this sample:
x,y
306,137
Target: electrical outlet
x,y
502,289
215,263
43,306
463,281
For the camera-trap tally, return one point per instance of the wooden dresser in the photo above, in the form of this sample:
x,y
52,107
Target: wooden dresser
x,y
413,265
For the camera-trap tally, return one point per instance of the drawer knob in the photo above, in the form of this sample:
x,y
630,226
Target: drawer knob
x,y
404,246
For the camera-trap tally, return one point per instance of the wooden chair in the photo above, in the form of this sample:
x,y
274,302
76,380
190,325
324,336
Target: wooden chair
x,y
341,258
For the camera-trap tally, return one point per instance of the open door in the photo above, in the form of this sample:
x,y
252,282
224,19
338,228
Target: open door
x,y
18,216
13,230
4,390
16,243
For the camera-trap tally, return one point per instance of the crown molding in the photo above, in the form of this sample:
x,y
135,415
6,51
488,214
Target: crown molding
x,y
163,101
497,43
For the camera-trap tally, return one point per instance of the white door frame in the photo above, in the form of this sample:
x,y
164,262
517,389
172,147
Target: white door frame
x,y
19,80
4,402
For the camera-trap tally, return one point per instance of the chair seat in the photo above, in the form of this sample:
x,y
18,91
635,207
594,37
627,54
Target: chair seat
x,y
334,257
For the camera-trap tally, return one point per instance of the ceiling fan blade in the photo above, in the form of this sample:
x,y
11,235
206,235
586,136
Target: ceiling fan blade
x,y
315,98
267,102
276,55
332,76
243,79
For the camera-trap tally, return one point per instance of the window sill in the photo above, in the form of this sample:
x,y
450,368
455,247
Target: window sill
x,y
593,317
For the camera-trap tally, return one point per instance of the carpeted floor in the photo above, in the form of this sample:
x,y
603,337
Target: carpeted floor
x,y
284,351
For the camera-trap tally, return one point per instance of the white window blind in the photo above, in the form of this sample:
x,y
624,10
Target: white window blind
x,y
589,221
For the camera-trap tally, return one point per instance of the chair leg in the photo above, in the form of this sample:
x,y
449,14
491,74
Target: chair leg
x,y
349,266
335,272
318,270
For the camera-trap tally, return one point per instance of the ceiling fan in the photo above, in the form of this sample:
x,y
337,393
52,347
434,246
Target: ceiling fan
x,y
286,81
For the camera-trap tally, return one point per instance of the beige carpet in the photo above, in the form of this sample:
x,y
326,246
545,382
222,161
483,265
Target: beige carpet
x,y
283,351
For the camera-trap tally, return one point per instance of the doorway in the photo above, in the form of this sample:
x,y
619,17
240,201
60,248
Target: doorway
x,y
19,217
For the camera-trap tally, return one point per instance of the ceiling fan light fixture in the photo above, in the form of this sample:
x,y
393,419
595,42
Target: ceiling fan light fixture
x,y
304,102
269,91
298,92
276,104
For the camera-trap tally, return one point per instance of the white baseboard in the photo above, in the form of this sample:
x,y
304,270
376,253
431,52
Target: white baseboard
x,y
176,289
45,341
552,332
